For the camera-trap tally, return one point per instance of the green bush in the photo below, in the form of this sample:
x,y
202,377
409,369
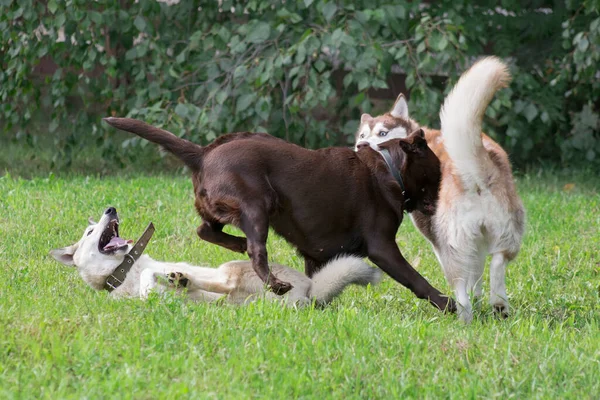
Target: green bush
x,y
301,70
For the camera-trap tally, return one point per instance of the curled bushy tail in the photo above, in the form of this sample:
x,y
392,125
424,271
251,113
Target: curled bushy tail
x,y
188,152
333,278
463,112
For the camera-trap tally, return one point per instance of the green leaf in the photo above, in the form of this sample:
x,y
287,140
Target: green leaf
x,y
530,112
300,54
95,17
244,101
307,3
181,110
180,59
221,96
583,44
60,19
259,33
140,23
53,126
52,6
348,80
363,82
443,42
590,155
329,10
320,66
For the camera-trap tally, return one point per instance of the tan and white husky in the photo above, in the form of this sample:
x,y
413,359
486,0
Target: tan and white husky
x,y
101,250
479,211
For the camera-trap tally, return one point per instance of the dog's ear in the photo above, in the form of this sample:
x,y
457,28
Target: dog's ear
x,y
400,108
91,221
64,255
365,118
415,142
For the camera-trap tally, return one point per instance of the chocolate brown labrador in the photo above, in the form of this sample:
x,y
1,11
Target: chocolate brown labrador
x,y
325,202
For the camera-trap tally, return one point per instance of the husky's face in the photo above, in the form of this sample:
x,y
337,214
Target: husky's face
x,y
99,251
392,125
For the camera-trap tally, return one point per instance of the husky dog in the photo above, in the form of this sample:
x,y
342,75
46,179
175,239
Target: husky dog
x,y
478,210
101,250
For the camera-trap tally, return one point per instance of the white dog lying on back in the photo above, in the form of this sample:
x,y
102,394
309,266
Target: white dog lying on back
x,y
106,261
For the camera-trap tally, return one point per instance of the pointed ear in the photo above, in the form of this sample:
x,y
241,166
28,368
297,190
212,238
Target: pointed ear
x,y
364,118
400,109
64,255
414,143
91,221
419,140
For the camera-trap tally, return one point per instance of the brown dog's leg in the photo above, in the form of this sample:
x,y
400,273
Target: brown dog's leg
x,y
213,232
387,256
256,229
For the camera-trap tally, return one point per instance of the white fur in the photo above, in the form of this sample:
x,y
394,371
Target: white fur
x,y
235,281
400,109
373,138
461,117
339,273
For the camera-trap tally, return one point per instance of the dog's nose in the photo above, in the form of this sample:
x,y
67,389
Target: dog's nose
x,y
110,210
362,145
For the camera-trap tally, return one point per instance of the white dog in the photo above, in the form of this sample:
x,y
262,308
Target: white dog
x,y
479,211
107,261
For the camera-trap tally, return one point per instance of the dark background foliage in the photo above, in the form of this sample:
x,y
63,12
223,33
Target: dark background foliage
x,y
301,70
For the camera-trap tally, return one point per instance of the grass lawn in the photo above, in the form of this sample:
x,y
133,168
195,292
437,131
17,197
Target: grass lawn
x,y
61,339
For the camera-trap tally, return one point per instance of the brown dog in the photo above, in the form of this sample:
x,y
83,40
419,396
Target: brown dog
x,y
325,202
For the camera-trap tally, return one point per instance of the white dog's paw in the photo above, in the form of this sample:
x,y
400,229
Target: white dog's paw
x,y
500,307
177,279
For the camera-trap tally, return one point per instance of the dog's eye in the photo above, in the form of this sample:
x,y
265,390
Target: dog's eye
x,y
90,232
362,136
383,133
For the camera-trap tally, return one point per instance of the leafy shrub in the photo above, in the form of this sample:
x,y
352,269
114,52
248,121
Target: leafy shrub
x,y
302,70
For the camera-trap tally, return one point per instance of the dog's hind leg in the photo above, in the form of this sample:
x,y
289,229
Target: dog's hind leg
x,y
498,297
475,275
254,223
312,266
213,232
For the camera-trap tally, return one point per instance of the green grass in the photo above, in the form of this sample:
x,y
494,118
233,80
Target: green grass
x,y
61,339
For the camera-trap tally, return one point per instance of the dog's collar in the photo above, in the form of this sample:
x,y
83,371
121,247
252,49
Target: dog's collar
x,y
118,276
385,153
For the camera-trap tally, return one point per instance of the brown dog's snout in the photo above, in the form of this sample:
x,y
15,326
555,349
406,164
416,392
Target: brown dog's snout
x,y
362,145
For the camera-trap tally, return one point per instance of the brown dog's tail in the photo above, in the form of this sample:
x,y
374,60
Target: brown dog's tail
x,y
188,152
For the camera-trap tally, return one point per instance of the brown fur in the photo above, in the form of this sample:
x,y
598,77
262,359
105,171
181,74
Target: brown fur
x,y
325,202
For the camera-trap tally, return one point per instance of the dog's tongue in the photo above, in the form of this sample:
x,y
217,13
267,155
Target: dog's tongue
x,y
116,243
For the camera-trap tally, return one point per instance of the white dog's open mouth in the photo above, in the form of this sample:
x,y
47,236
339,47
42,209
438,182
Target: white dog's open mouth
x,y
110,240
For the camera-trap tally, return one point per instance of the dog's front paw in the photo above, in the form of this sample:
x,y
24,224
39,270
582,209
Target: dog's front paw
x,y
501,310
445,304
177,279
280,288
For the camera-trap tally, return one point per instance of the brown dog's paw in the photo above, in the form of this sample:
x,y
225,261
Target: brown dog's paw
x,y
177,279
280,288
446,304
